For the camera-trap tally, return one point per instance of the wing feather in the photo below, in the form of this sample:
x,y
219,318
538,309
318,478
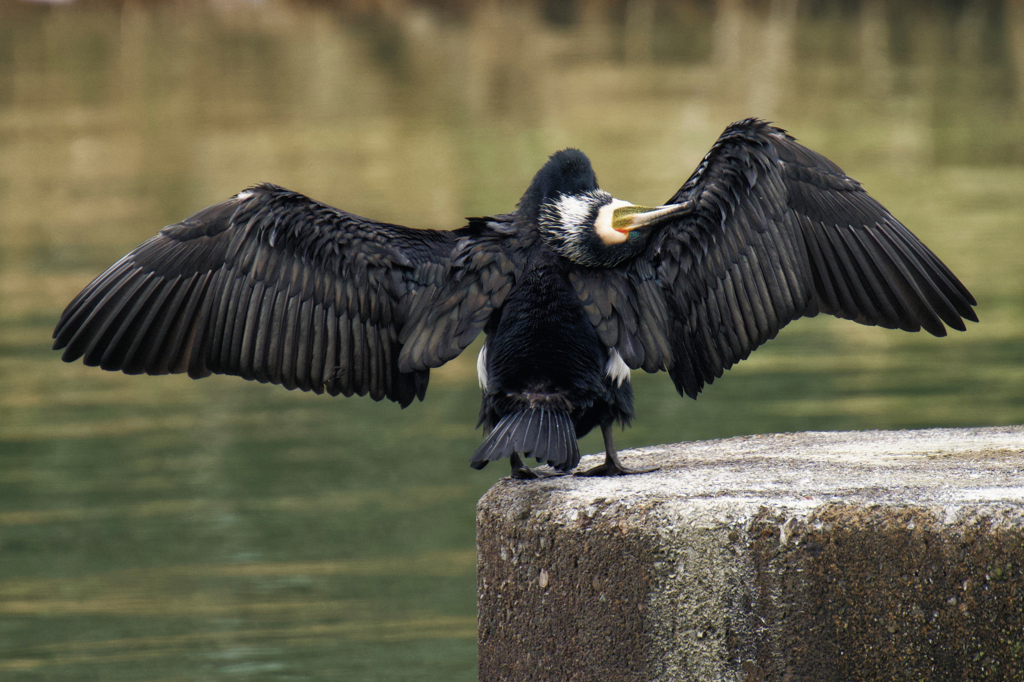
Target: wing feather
x,y
316,364
180,336
275,287
289,338
136,357
122,326
777,232
329,371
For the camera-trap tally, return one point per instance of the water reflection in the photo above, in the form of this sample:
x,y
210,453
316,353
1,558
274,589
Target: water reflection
x,y
159,528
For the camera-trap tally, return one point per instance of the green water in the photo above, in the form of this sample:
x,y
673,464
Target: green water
x,y
165,529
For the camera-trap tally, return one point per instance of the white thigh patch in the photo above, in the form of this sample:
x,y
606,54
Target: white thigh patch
x,y
481,367
617,370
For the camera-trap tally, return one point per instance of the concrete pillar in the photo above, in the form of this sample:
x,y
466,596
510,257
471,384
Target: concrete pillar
x,y
884,555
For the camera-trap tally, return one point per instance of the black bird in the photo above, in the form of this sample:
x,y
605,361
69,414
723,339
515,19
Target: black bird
x,y
572,290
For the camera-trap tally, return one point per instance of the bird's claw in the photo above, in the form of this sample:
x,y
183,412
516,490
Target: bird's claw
x,y
606,470
528,474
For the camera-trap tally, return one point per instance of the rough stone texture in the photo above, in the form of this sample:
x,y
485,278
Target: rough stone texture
x,y
885,555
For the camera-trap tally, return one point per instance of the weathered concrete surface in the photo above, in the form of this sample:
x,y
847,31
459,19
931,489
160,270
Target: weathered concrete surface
x,y
811,556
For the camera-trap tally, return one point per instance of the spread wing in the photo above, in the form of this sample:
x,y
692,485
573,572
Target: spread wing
x,y
483,266
776,232
273,286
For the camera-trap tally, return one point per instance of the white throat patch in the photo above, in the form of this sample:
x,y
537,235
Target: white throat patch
x,y
570,221
574,214
573,210
616,369
603,223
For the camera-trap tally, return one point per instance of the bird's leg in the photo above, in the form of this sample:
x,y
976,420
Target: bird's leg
x,y
520,470
612,466
525,473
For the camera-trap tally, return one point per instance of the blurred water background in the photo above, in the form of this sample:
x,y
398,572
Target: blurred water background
x,y
165,529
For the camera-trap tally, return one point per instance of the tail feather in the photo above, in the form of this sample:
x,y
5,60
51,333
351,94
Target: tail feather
x,y
539,432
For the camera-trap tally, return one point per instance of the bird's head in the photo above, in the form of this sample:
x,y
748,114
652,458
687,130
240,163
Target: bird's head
x,y
582,222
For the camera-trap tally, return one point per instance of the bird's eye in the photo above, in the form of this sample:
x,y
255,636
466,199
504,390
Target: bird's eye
x,y
633,234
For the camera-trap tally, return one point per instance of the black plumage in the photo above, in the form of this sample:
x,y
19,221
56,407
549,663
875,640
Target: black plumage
x,y
572,290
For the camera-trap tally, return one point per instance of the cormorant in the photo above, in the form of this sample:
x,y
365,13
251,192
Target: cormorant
x,y
573,290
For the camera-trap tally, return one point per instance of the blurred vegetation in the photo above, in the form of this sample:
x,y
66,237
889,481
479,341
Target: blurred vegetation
x,y
159,528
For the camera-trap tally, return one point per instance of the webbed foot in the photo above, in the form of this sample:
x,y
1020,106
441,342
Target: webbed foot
x,y
611,469
524,473
611,465
527,474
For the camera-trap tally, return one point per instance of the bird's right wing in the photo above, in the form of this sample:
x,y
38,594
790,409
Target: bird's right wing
x,y
776,231
273,286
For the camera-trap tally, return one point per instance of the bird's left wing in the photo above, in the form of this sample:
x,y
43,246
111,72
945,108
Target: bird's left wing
x,y
273,286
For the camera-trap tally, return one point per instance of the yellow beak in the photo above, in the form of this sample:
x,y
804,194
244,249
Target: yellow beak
x,y
627,218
